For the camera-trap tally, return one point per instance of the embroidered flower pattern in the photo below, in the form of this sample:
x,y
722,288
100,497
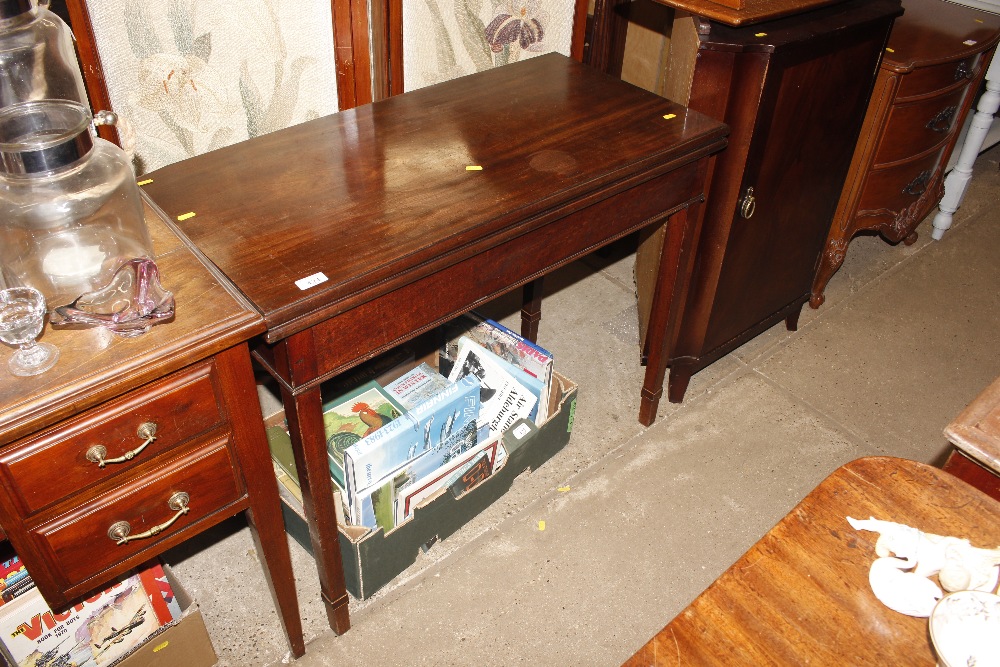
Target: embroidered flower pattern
x,y
516,22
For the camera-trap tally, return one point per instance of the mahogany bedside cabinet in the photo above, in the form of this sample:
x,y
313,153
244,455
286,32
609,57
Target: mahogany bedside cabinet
x,y
130,446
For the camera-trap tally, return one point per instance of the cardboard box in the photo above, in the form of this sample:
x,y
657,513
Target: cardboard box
x,y
184,641
373,558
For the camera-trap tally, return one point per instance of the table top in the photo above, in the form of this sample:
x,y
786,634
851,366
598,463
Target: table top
x,y
95,365
976,431
801,594
935,31
368,200
746,12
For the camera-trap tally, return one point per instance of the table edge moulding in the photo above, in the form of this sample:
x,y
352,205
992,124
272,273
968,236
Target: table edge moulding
x,y
191,378
415,209
975,436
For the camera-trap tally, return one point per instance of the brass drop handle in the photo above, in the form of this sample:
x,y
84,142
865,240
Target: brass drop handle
x,y
147,431
941,122
748,204
119,531
963,71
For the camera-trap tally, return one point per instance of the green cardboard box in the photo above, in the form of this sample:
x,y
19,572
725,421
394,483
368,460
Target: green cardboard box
x,y
373,558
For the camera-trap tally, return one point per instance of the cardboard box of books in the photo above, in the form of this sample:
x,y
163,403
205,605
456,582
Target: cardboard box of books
x,y
453,447
106,628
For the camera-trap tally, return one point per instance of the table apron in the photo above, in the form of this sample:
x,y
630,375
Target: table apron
x,y
328,348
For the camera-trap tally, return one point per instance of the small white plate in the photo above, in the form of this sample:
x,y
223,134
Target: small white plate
x,y
965,629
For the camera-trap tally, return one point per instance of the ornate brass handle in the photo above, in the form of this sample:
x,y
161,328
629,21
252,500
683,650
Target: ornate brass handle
x,y
119,531
748,204
941,122
147,431
963,71
918,185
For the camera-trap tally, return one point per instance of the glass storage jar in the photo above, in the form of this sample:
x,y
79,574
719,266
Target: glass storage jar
x,y
37,56
70,210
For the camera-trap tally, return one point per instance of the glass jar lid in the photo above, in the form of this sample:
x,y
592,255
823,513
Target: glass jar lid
x,y
42,136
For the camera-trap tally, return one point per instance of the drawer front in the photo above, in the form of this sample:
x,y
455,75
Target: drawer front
x,y
926,80
53,465
78,545
919,126
896,188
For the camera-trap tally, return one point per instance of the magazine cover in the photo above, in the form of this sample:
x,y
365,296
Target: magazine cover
x,y
96,631
433,431
350,417
504,400
408,497
501,341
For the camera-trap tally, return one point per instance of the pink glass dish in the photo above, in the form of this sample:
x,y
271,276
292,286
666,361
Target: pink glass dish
x,y
129,305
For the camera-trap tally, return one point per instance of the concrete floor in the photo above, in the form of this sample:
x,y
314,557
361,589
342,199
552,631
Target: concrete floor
x,y
907,337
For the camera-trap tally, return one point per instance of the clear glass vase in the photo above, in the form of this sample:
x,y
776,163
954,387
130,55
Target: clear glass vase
x,y
70,211
37,56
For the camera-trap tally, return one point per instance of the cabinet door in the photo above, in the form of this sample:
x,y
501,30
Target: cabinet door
x,y
813,102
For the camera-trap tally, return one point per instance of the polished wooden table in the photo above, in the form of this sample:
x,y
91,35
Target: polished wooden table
x,y
801,594
354,233
975,434
74,469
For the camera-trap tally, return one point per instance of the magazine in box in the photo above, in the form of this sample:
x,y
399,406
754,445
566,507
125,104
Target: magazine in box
x,y
424,439
501,341
353,416
504,400
97,630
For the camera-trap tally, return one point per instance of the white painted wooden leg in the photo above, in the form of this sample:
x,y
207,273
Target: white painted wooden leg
x,y
958,180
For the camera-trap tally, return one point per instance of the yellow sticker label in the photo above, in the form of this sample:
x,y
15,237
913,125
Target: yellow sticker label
x,y
888,50
563,489
162,646
145,182
473,167
760,34
185,216
670,115
979,20
541,525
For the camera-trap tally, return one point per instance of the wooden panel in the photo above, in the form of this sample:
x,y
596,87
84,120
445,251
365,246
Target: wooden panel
x,y
78,542
918,127
53,465
383,323
973,473
746,12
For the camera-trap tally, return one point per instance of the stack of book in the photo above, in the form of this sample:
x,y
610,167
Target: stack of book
x,y
96,631
425,425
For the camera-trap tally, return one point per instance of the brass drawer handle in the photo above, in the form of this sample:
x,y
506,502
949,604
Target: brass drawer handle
x,y
941,122
963,71
119,531
147,431
918,185
748,204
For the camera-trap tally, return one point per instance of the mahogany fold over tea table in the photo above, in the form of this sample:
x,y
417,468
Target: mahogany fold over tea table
x,y
354,233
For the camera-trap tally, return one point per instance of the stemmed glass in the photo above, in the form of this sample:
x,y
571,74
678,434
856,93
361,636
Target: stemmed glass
x,y
22,315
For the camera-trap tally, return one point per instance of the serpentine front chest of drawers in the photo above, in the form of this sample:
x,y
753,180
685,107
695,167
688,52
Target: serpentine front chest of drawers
x,y
129,446
937,55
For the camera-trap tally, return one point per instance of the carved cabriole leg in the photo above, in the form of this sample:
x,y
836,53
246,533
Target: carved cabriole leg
x,y
831,260
958,180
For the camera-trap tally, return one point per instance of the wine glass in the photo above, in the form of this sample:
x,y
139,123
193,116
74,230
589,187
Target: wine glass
x,y
22,315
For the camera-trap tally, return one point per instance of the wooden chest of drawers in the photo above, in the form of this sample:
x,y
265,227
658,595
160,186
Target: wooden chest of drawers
x,y
937,55
130,446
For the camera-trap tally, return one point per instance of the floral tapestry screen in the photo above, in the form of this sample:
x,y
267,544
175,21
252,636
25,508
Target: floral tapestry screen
x,y
444,39
189,76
